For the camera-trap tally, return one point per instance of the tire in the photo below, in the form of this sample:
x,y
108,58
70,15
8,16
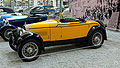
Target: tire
x,y
14,47
29,50
5,34
96,39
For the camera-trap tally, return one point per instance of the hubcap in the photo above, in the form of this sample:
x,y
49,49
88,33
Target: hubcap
x,y
7,34
97,39
30,50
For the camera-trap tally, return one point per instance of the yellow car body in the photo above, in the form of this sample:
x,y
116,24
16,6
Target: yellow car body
x,y
51,30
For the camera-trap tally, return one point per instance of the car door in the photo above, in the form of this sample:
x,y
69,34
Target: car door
x,y
73,30
55,32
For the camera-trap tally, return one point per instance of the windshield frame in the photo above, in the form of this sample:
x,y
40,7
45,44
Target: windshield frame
x,y
56,16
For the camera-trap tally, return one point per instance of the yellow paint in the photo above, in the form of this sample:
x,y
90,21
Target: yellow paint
x,y
50,30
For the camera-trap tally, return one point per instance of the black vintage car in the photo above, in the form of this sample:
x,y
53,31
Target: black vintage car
x,y
19,20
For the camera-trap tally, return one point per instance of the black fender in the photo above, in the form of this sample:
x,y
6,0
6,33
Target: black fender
x,y
6,26
98,27
31,35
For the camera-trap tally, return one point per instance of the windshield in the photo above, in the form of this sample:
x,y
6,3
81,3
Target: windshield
x,y
54,16
51,13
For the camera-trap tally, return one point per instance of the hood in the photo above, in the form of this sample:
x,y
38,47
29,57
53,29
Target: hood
x,y
13,17
4,16
43,24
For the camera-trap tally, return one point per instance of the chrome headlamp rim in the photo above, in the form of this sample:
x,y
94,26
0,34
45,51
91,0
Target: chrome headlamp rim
x,y
6,21
21,31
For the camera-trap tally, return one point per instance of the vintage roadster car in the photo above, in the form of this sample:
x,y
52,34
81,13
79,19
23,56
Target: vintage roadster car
x,y
31,40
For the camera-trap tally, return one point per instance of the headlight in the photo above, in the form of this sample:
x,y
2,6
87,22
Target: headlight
x,y
21,31
3,20
6,21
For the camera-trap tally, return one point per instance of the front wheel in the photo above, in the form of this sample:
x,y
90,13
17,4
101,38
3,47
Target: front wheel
x,y
29,50
96,39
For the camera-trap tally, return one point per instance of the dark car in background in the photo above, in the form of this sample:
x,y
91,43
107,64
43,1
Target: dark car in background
x,y
18,21
41,9
7,10
38,10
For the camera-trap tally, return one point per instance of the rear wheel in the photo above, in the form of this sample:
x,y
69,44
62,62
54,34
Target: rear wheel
x,y
96,39
5,34
29,50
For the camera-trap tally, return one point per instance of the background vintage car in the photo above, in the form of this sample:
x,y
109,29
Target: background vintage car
x,y
53,32
43,9
20,20
8,11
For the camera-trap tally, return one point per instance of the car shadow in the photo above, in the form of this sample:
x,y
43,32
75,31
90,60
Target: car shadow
x,y
68,47
13,56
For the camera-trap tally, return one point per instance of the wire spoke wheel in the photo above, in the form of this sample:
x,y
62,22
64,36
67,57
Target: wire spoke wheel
x,y
30,50
97,39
